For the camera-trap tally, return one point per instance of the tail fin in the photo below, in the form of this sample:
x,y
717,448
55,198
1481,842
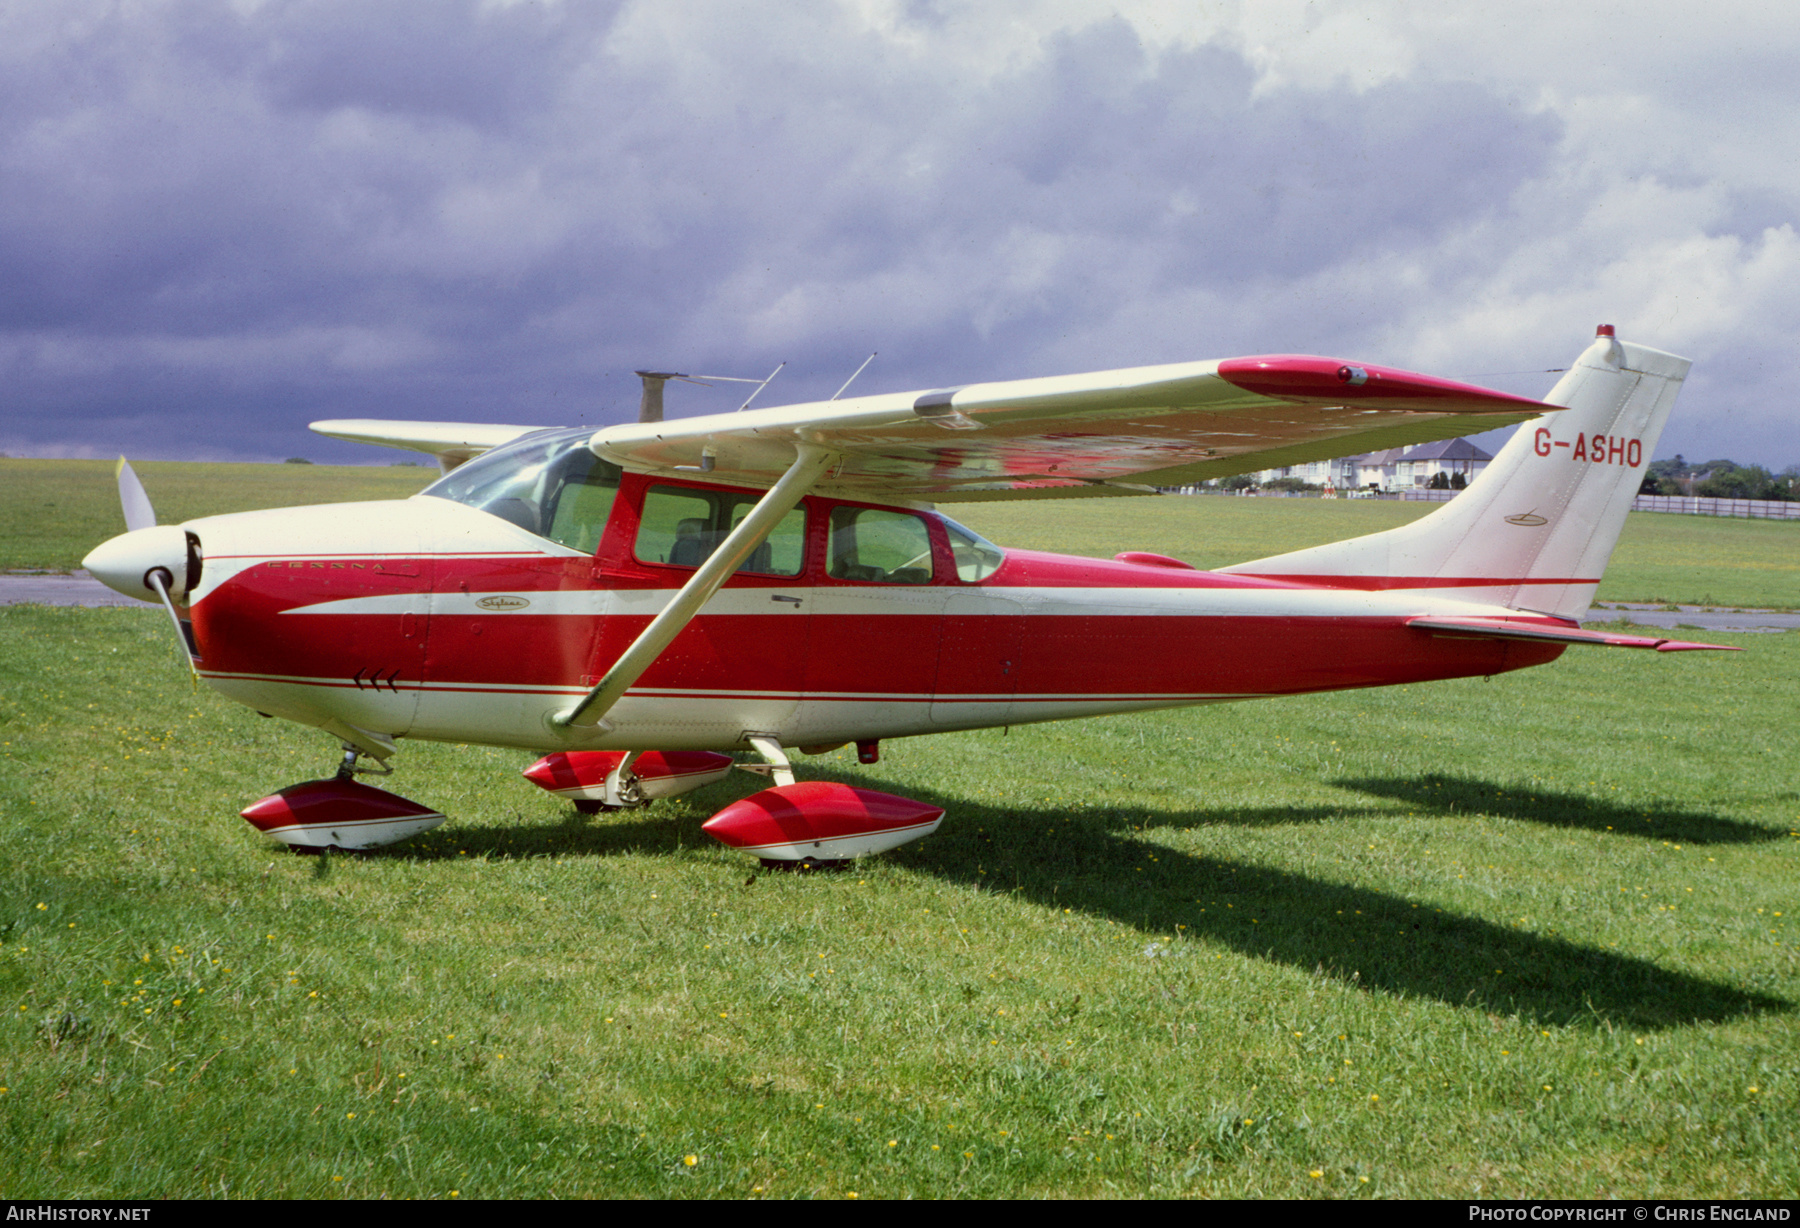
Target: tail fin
x,y
1535,530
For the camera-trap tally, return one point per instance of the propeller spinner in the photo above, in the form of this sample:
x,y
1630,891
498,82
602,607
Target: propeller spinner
x,y
150,562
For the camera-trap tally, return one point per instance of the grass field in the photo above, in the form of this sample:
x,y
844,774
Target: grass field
x,y
52,512
1661,557
1525,937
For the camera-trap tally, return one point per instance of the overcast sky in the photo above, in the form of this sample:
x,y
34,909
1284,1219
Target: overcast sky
x,y
219,221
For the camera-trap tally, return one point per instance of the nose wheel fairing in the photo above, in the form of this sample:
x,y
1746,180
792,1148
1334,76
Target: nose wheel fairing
x,y
339,813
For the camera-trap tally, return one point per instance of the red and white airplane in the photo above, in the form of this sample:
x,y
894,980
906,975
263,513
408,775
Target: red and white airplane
x,y
632,601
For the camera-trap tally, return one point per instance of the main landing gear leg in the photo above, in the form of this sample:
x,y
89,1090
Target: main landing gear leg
x,y
622,791
347,770
597,780
775,764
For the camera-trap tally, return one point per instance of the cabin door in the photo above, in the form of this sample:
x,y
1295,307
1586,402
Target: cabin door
x,y
978,660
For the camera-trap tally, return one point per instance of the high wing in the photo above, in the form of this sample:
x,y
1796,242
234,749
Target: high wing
x,y
1105,433
451,442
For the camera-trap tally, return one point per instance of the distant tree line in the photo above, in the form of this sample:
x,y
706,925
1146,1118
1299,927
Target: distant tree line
x,y
1720,479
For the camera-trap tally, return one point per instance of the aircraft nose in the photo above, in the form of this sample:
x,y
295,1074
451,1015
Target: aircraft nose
x,y
123,563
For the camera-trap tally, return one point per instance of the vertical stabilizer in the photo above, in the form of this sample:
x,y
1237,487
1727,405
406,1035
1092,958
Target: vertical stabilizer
x,y
1535,530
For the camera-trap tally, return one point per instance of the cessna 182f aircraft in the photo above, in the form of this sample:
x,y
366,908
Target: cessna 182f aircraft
x,y
638,601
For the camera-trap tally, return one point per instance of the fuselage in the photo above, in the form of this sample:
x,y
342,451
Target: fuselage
x,y
428,618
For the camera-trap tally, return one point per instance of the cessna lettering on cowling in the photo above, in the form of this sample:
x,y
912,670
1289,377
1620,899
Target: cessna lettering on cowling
x,y
642,603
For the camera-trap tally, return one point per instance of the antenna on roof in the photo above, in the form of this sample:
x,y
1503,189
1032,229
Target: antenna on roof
x,y
759,387
854,374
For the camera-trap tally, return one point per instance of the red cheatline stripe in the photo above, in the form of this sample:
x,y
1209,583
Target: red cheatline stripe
x,y
1376,583
412,556
918,697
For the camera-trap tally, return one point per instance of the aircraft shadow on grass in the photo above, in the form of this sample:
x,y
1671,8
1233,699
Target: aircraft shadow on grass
x,y
1455,795
1093,863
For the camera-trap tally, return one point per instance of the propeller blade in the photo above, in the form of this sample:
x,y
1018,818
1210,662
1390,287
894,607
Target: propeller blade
x,y
155,580
138,512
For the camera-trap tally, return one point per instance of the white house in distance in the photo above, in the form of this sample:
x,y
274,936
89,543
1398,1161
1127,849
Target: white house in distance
x,y
1390,469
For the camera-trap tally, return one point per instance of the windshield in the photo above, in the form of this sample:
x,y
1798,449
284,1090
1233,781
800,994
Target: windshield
x,y
547,483
977,558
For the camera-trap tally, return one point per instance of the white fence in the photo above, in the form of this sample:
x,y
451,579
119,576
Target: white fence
x,y
1687,505
1692,505
1754,509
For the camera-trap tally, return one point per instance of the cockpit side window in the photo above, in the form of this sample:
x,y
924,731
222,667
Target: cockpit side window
x,y
878,547
548,483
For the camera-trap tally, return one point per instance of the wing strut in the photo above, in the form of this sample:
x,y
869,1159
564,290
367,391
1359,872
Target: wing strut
x,y
782,498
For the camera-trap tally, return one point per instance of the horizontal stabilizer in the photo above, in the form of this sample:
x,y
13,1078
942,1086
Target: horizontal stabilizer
x,y
1508,629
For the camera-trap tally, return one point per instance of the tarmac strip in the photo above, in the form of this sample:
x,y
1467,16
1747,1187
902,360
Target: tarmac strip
x,y
77,588
1698,617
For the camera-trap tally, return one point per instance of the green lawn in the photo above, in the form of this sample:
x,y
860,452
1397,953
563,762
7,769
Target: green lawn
x,y
1526,937
1661,557
52,512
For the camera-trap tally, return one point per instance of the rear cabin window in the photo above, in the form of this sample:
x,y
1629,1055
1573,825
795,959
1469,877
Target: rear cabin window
x,y
682,527
879,547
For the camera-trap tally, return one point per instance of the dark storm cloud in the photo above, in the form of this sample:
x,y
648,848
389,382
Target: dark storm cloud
x,y
217,224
